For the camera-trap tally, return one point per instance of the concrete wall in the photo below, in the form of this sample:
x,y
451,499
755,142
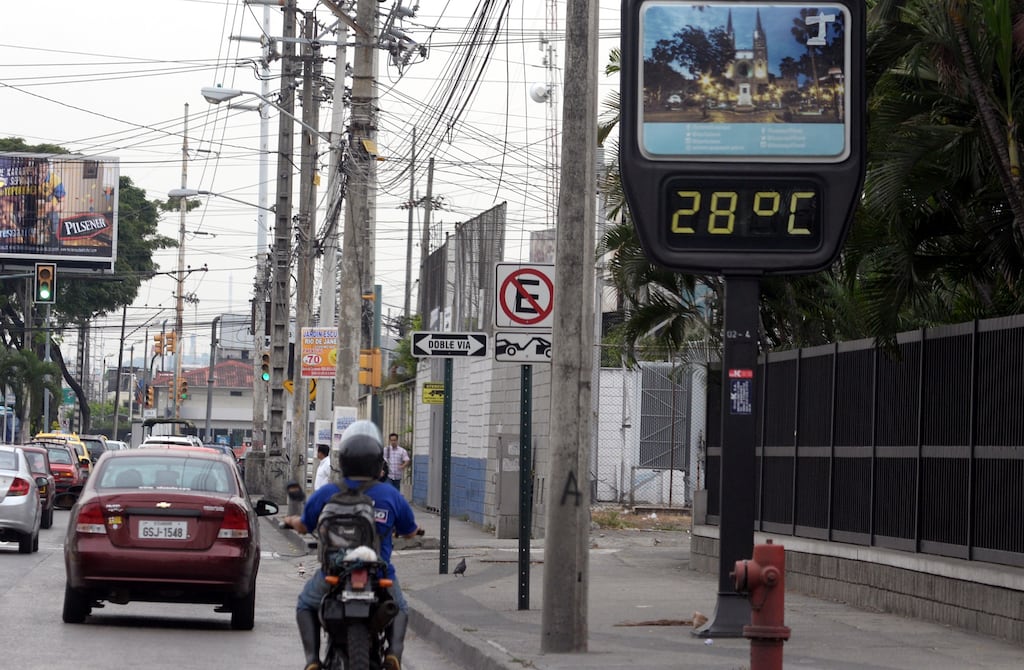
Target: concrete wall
x,y
978,597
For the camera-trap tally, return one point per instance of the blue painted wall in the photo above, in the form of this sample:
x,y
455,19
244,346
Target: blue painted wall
x,y
469,481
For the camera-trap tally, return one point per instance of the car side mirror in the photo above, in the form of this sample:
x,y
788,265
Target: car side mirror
x,y
42,482
266,508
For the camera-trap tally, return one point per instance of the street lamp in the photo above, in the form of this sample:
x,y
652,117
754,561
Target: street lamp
x,y
193,192
218,94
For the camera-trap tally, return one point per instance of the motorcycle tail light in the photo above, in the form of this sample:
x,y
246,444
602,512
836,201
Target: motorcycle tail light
x,y
359,577
332,579
386,583
90,519
235,525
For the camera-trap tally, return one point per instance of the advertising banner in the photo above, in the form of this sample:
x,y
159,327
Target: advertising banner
x,y
319,352
58,207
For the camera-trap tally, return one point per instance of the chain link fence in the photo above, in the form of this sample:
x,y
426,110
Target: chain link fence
x,y
649,434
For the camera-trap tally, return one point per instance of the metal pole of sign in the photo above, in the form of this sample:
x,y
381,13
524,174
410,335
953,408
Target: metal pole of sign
x,y
525,481
738,461
446,467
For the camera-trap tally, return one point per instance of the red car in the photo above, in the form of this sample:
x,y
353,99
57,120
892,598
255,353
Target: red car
x,y
39,461
67,473
164,525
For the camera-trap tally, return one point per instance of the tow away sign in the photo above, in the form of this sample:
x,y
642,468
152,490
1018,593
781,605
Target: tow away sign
x,y
425,344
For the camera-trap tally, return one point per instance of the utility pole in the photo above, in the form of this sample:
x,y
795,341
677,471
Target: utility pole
x,y
180,298
281,279
566,561
357,267
336,196
408,238
428,204
311,66
260,290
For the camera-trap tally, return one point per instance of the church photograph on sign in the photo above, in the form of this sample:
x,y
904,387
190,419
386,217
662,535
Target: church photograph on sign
x,y
720,79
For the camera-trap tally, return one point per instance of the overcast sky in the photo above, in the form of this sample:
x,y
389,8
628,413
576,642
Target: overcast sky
x,y
112,78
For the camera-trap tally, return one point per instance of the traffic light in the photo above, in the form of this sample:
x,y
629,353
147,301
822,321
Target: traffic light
x,y
172,341
149,396
183,389
46,283
158,344
265,367
369,367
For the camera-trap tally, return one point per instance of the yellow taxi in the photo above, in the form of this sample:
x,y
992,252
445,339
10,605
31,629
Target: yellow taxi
x,y
72,441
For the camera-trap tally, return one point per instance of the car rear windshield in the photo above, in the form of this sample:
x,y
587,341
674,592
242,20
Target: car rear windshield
x,y
59,455
181,473
8,460
36,461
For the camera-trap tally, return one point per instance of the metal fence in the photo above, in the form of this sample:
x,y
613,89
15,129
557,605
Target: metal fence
x,y
649,434
919,451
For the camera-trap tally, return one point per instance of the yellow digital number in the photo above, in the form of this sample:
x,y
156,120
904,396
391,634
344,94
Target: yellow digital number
x,y
715,227
773,201
694,207
794,202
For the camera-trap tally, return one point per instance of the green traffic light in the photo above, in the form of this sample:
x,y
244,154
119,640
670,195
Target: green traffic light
x,y
266,376
44,292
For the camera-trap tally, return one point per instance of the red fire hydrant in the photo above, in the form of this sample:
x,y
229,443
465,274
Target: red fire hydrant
x,y
763,580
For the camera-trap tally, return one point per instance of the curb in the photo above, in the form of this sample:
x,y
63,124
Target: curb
x,y
455,643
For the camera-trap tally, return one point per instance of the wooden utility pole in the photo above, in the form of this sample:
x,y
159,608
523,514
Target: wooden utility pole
x,y
280,291
311,68
357,250
566,564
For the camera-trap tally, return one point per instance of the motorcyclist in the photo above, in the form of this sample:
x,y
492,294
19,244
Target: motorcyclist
x,y
360,457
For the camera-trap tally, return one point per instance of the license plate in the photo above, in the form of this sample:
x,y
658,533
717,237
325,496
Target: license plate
x,y
151,529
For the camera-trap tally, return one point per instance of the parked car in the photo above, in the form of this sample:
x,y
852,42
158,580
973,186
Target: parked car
x,y
39,463
67,473
19,500
164,525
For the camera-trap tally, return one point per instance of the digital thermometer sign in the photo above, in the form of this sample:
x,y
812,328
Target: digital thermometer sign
x,y
742,132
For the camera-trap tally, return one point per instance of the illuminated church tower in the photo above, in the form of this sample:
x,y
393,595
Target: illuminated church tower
x,y
749,68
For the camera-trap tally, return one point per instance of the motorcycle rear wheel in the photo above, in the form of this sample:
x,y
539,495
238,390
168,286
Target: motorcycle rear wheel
x,y
357,634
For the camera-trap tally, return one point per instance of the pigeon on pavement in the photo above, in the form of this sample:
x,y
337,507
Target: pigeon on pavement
x,y
460,569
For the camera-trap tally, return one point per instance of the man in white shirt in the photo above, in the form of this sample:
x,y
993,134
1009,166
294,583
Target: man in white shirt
x,y
397,459
323,471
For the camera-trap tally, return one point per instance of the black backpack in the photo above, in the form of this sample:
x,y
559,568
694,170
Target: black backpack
x,y
346,522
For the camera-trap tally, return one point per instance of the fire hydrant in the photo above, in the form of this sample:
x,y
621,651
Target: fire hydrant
x,y
763,580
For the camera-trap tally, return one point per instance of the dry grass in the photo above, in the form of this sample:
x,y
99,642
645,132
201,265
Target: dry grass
x,y
618,518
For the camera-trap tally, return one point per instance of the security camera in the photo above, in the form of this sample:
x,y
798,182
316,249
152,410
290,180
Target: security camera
x,y
540,92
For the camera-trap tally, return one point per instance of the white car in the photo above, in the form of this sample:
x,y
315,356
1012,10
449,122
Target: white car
x,y
172,440
20,512
116,445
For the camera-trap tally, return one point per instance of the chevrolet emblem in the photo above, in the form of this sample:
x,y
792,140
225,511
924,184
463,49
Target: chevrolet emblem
x,y
163,505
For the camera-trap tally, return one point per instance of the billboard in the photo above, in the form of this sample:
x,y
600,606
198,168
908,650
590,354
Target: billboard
x,y
60,208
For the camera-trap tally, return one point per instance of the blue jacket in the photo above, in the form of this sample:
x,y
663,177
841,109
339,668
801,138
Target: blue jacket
x,y
390,509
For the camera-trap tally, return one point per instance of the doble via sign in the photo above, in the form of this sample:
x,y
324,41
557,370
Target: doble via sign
x,y
427,344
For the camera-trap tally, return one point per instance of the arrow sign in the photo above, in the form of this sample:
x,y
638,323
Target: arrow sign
x,y
426,344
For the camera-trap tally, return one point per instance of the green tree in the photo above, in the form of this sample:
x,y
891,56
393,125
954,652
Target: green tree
x,y
87,296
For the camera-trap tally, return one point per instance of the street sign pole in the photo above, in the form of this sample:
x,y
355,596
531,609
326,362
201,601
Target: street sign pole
x,y
525,481
446,468
738,460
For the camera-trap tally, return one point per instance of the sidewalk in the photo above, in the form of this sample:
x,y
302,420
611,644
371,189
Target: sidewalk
x,y
638,580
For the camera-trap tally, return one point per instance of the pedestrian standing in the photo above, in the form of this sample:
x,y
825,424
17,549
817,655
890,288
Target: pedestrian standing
x,y
397,458
323,470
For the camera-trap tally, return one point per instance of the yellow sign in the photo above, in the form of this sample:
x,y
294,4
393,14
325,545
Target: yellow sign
x,y
433,393
289,386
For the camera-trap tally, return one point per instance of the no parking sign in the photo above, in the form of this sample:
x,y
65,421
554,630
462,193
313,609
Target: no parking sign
x,y
526,295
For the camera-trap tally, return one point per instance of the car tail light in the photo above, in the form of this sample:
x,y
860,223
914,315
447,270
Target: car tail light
x,y
19,487
235,525
91,520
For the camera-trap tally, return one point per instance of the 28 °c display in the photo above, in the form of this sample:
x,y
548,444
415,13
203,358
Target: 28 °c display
x,y
716,214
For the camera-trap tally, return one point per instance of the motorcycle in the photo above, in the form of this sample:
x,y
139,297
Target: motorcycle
x,y
356,612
